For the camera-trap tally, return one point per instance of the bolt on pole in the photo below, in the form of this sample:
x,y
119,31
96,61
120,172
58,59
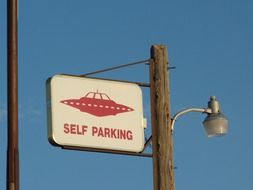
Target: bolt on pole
x,y
12,174
162,142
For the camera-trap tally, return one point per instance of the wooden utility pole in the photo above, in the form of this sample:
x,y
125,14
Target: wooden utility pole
x,y
12,176
162,142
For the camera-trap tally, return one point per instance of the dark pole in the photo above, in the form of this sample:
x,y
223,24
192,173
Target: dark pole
x,y
162,142
12,181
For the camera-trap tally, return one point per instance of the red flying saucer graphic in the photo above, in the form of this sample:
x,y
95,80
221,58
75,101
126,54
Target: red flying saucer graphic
x,y
98,104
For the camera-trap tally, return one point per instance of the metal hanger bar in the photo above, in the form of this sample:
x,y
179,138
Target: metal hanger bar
x,y
147,143
143,84
116,67
107,151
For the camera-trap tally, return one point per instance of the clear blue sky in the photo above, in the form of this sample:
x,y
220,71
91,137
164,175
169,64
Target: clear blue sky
x,y
209,41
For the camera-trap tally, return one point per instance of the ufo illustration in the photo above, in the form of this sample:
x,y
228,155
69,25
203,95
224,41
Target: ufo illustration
x,y
97,104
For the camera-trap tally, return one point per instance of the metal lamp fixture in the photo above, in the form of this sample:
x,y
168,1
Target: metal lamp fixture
x,y
216,124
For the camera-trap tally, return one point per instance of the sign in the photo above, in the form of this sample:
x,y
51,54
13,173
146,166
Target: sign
x,y
95,113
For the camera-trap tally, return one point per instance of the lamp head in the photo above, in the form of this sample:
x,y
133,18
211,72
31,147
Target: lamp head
x,y
216,124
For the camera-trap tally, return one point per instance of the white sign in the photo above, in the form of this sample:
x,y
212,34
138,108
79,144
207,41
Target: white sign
x,y
95,113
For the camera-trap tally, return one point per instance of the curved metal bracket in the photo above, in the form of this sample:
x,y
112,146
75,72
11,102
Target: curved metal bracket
x,y
174,118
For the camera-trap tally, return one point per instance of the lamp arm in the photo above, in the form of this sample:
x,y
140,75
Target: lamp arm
x,y
174,118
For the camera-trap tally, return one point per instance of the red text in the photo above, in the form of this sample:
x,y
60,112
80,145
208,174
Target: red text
x,y
112,133
75,129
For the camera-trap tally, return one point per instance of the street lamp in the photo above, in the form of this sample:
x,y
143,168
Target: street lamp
x,y
216,124
162,122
